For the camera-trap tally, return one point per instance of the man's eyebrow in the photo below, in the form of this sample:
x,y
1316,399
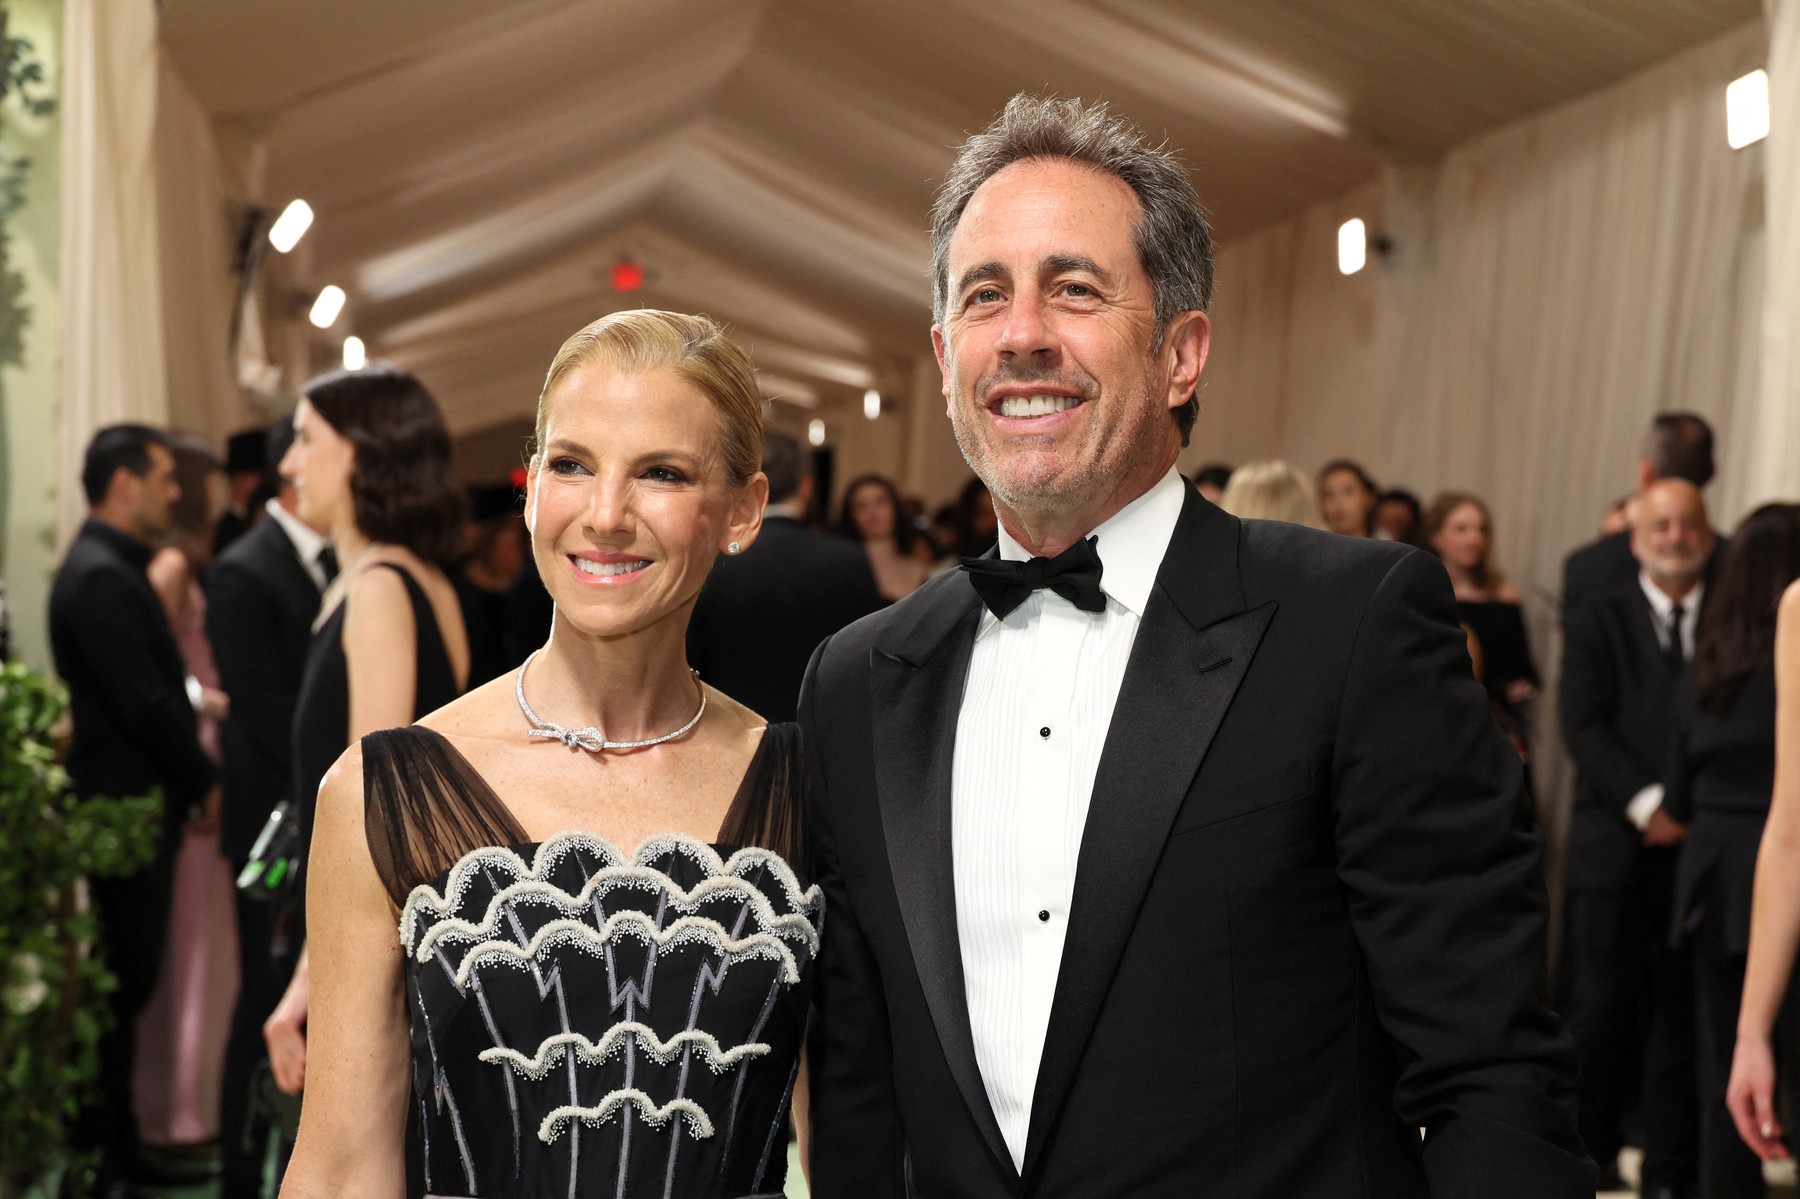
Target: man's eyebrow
x,y
1075,262
987,270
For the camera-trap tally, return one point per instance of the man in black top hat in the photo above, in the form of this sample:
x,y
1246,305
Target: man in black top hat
x,y
246,456
135,733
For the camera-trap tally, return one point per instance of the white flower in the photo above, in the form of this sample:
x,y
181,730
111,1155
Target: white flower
x,y
25,989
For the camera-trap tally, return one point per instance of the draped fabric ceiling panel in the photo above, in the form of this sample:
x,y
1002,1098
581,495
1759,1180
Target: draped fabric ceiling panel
x,y
476,169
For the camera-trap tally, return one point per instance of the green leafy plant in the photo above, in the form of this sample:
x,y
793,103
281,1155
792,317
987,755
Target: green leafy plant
x,y
22,88
52,986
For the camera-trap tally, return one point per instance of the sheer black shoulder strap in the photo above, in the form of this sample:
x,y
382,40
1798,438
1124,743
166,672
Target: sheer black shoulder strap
x,y
424,807
767,811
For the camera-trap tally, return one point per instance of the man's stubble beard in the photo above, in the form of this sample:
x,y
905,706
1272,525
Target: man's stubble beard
x,y
1067,491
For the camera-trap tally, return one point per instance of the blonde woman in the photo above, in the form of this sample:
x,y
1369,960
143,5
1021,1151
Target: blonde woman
x,y
1271,490
568,909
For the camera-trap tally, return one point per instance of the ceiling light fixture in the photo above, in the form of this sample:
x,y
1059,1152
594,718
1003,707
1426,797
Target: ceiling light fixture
x,y
1353,246
1747,110
291,225
815,433
356,355
325,309
872,404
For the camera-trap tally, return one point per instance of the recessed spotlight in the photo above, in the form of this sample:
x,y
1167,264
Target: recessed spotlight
x,y
872,403
325,309
355,353
1747,110
815,433
291,225
1353,245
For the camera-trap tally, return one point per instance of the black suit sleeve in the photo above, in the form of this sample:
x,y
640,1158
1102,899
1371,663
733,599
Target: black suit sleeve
x,y
856,1144
111,631
1590,699
244,626
1441,867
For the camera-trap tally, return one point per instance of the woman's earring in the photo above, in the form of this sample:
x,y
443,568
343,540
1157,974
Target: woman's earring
x,y
734,548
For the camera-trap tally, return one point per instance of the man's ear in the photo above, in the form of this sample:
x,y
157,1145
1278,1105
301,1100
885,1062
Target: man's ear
x,y
942,350
122,488
1186,344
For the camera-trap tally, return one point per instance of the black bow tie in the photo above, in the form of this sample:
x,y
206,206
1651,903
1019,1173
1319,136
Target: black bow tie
x,y
1073,574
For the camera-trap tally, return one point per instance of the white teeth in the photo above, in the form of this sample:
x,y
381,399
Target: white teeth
x,y
1039,405
609,568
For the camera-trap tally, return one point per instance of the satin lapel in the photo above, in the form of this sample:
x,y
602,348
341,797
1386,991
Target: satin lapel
x,y
916,686
1193,648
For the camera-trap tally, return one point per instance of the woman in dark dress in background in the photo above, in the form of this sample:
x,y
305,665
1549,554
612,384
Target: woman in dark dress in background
x,y
872,517
1460,531
570,907
1721,775
1347,497
370,463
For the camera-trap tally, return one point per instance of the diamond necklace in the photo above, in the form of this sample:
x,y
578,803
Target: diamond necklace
x,y
590,738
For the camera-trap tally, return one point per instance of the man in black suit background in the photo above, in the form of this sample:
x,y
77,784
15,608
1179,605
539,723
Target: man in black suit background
x,y
1167,853
135,733
764,611
262,596
1678,446
1626,994
246,478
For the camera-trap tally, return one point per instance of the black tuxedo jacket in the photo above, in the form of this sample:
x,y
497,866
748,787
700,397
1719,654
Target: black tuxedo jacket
x,y
1596,568
1618,717
259,612
763,612
1307,918
134,724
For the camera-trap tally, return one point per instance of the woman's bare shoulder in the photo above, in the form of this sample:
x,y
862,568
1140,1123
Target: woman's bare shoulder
x,y
1789,613
485,710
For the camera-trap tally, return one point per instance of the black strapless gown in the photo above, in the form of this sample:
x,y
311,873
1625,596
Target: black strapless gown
x,y
591,1021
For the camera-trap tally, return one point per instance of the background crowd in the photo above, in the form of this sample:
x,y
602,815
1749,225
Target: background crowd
x,y
349,585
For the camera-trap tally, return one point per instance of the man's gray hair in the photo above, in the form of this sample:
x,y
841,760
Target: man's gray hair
x,y
1174,243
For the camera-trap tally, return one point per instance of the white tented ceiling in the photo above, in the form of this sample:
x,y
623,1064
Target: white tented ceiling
x,y
477,167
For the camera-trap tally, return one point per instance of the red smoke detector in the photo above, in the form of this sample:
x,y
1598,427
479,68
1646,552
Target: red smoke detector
x,y
627,275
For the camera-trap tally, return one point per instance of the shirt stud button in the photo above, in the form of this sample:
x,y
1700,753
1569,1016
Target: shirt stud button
x,y
1044,732
1044,915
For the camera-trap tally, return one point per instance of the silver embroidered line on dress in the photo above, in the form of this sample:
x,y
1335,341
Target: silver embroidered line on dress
x,y
643,878
551,1052
551,852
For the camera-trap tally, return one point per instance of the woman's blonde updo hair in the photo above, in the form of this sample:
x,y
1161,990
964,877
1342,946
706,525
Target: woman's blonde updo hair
x,y
693,347
1271,490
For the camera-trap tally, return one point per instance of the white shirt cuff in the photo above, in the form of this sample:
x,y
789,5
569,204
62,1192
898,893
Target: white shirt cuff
x,y
1644,805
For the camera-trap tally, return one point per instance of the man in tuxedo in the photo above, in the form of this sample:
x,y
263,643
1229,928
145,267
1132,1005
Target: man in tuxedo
x,y
1678,446
1627,995
764,611
135,733
261,600
1165,853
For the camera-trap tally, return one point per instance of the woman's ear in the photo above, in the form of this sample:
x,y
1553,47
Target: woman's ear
x,y
746,514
